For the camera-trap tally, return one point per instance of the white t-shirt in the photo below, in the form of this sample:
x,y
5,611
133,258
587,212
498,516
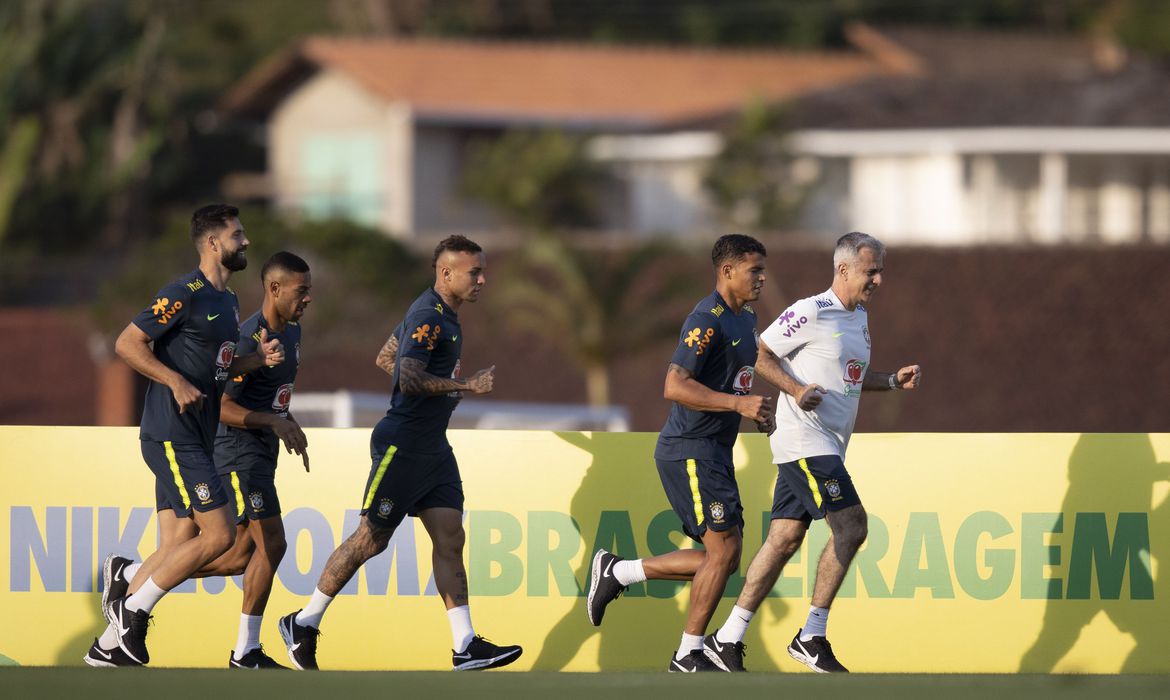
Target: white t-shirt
x,y
819,342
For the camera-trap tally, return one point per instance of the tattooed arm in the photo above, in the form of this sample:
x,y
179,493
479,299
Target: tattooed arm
x,y
387,355
414,379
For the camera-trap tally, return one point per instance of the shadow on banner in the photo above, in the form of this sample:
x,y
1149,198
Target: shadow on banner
x,y
652,613
1110,473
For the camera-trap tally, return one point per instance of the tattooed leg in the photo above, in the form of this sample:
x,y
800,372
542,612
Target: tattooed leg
x,y
365,543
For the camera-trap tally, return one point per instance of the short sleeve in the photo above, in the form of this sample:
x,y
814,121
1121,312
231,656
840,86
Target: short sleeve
x,y
168,310
420,332
700,335
792,329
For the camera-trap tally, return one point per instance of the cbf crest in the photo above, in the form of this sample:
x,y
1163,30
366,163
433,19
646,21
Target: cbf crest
x,y
717,512
257,500
834,489
384,507
203,493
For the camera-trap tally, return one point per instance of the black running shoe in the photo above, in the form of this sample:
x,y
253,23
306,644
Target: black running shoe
x,y
101,658
131,629
603,587
728,656
301,642
255,658
816,653
481,655
694,662
115,581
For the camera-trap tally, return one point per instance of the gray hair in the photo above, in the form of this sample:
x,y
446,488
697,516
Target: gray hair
x,y
850,245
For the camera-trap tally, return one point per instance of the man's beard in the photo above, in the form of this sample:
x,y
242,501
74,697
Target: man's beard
x,y
234,261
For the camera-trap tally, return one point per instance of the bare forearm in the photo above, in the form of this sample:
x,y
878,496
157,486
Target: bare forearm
x,y
136,353
683,389
415,380
245,364
386,356
235,415
770,368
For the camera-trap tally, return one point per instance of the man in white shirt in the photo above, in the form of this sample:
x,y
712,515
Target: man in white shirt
x,y
817,353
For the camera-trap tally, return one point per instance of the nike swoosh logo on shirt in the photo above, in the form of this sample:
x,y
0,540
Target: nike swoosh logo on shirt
x,y
454,338
736,342
838,334
212,318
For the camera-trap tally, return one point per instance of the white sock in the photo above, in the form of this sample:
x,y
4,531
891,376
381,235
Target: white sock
x,y
109,638
129,571
461,630
629,571
689,643
146,598
814,626
736,626
249,636
314,609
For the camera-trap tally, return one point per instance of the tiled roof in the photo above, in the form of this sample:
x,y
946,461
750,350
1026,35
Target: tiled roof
x,y
992,79
563,83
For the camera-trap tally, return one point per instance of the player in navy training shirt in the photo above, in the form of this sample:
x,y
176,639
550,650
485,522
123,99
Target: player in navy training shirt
x,y
413,470
709,381
194,325
254,418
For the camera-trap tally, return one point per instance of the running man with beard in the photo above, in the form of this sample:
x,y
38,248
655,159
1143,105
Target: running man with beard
x,y
413,470
709,381
254,418
193,324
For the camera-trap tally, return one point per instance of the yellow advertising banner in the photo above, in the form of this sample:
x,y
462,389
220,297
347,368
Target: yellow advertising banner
x,y
987,553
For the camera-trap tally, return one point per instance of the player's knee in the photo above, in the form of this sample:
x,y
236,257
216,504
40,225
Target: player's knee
x,y
217,541
852,533
452,541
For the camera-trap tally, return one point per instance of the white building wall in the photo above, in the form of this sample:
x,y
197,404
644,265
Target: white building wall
x,y
334,149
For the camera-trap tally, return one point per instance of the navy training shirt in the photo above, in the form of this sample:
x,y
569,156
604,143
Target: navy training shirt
x,y
430,333
719,349
268,389
195,328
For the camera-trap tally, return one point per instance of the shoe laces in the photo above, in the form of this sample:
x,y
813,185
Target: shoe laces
x,y
139,621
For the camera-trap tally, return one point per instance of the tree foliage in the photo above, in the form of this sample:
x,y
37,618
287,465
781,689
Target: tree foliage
x,y
590,301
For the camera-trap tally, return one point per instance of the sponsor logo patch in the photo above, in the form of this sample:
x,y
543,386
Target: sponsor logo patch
x,y
426,334
742,384
282,398
854,374
823,303
223,360
164,310
789,319
698,339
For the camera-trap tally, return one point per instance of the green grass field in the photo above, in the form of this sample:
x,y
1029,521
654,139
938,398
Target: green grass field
x,y
121,684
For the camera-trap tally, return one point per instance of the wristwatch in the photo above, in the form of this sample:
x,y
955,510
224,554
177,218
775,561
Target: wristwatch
x,y
894,381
